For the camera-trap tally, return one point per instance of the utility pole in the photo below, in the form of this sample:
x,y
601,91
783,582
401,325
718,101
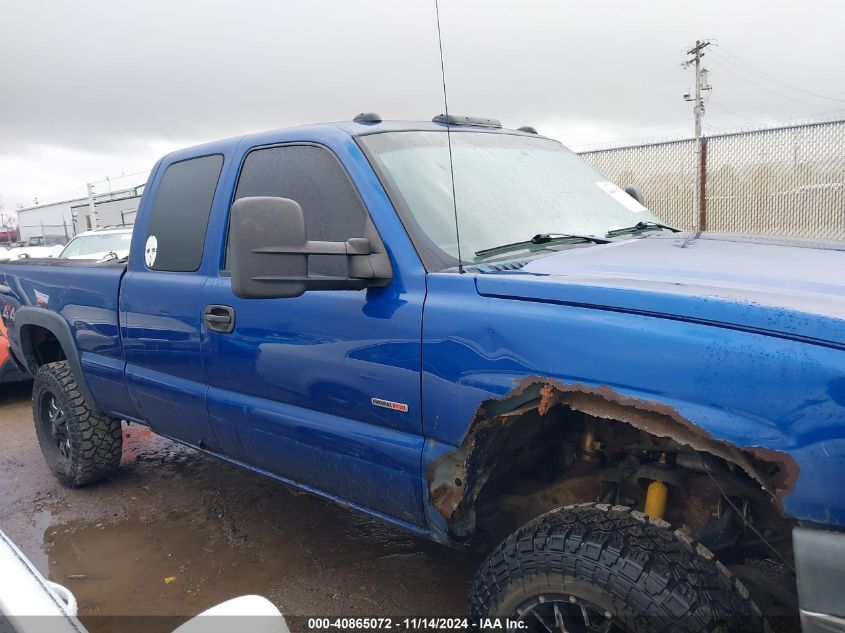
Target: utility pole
x,y
701,85
92,210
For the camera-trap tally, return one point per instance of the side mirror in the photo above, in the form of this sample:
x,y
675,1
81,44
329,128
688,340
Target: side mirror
x,y
269,253
634,192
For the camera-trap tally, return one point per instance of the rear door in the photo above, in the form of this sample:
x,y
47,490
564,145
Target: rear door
x,y
161,301
322,390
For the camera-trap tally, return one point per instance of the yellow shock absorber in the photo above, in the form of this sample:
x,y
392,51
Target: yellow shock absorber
x,y
655,500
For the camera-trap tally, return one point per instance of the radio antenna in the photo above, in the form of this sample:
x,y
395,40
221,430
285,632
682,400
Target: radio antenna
x,y
449,136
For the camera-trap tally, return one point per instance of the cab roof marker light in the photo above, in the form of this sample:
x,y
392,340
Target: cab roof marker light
x,y
475,121
367,117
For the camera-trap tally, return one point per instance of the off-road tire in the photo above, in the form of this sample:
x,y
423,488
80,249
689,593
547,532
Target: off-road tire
x,y
91,442
635,569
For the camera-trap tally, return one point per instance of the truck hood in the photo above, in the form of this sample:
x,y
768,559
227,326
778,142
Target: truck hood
x,y
782,286
121,254
30,251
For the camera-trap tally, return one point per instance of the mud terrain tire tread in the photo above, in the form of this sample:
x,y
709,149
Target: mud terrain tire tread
x,y
96,440
632,559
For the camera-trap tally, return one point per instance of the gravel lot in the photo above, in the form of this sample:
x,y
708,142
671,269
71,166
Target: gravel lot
x,y
176,532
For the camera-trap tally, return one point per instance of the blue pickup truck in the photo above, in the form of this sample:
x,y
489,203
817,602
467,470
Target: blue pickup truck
x,y
468,332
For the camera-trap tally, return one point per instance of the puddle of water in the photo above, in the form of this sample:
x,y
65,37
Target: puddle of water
x,y
249,535
40,524
217,532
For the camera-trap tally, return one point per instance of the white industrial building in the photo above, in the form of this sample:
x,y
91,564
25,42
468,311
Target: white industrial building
x,y
69,217
47,219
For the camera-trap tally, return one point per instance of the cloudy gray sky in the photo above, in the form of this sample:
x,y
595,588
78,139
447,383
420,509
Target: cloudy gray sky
x,y
96,88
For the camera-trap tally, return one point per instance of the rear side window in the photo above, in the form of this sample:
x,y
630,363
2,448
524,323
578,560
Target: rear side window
x,y
176,233
313,177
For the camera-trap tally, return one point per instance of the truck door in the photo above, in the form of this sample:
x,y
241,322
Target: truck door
x,y
161,301
322,390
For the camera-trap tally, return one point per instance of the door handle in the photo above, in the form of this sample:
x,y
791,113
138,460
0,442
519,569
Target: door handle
x,y
219,318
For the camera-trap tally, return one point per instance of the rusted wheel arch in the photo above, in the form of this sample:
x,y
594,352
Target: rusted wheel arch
x,y
457,478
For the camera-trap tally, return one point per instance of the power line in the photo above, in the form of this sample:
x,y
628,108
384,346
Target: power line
x,y
737,113
756,122
749,68
767,106
746,78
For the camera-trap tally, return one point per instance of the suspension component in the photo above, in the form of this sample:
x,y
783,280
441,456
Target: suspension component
x,y
590,445
655,500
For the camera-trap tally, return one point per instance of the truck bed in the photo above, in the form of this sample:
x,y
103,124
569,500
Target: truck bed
x,y
85,293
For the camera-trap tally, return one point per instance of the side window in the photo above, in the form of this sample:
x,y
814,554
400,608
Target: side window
x,y
179,219
313,177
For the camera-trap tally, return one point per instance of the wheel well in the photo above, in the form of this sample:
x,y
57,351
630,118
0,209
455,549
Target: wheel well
x,y
40,346
549,445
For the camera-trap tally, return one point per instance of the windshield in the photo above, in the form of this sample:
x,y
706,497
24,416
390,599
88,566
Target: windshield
x,y
97,244
508,188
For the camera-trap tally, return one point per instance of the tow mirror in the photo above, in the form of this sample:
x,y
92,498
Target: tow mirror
x,y
269,253
634,192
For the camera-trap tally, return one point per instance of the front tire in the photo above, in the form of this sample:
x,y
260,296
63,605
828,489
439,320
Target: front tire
x,y
596,568
81,445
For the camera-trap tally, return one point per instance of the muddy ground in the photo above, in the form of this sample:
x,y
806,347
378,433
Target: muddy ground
x,y
176,532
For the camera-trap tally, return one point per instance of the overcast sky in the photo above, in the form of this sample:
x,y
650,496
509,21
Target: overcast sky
x,y
96,88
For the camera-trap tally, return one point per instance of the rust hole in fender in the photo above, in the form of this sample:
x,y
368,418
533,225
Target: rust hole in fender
x,y
470,464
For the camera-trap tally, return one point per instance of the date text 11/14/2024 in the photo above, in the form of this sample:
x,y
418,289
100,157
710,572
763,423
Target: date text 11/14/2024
x,y
415,624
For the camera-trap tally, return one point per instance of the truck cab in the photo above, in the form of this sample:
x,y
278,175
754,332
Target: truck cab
x,y
466,331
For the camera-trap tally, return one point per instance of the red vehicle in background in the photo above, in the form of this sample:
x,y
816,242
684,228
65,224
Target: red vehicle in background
x,y
10,371
8,236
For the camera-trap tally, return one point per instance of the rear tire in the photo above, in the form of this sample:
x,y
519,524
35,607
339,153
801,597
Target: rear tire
x,y
599,568
81,445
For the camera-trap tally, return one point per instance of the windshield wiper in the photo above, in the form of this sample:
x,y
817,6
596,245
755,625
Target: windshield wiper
x,y
642,226
543,238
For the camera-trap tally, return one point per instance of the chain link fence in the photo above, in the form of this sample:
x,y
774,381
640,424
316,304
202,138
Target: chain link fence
x,y
49,234
781,181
